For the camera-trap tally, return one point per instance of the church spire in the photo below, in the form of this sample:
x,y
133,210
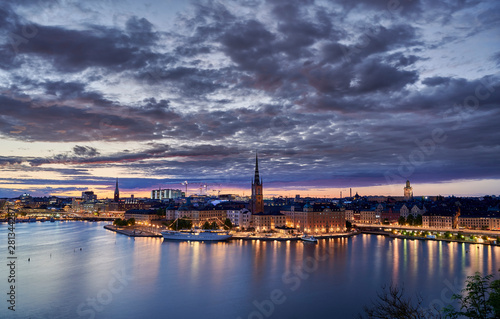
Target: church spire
x,y
257,177
117,192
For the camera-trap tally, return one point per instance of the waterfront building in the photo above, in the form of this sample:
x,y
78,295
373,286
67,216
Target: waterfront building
x,y
240,217
167,193
369,215
479,222
199,215
389,214
416,209
316,218
265,222
349,214
170,211
408,191
257,199
441,217
141,214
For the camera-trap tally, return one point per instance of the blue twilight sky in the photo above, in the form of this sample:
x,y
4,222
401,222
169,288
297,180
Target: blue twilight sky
x,y
332,94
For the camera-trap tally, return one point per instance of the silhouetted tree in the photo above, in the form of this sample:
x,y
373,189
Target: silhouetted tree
x,y
401,221
348,225
410,220
206,225
228,224
418,220
392,303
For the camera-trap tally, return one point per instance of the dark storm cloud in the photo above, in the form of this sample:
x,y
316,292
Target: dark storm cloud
x,y
8,161
76,50
85,151
337,93
73,51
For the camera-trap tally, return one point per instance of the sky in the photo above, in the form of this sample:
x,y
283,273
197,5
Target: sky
x,y
333,95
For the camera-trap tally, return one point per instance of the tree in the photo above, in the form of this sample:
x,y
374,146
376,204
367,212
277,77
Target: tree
x,y
348,225
131,221
206,225
160,212
181,224
392,303
228,224
418,220
401,221
214,225
473,301
410,220
494,300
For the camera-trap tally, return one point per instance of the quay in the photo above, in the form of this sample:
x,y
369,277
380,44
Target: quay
x,y
137,231
132,231
456,235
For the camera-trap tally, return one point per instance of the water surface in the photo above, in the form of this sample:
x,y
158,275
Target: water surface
x,y
80,270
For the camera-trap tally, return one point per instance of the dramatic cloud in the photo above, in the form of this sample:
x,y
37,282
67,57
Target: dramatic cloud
x,y
332,94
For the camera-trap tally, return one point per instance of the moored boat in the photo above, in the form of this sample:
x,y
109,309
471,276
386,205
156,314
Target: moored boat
x,y
196,235
310,239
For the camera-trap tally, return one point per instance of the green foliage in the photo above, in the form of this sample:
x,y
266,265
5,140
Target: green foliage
x,y
206,225
494,300
228,224
124,222
181,224
480,299
418,220
410,220
160,211
401,221
214,225
473,301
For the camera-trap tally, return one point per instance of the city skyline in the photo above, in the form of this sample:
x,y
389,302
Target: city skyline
x,y
332,96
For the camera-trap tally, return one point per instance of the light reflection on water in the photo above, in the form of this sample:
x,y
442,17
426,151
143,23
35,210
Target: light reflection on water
x,y
223,280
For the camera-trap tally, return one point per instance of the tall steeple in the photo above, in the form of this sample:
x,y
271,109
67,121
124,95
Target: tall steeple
x,y
257,200
257,180
117,192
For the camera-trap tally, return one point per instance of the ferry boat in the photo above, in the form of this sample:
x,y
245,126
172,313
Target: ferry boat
x,y
196,235
310,239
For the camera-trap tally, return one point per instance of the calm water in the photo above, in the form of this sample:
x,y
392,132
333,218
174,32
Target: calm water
x,y
114,276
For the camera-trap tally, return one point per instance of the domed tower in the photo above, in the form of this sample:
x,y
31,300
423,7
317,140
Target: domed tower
x,y
257,200
408,191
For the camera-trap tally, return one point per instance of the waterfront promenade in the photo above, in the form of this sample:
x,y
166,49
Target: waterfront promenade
x,y
145,231
492,233
133,231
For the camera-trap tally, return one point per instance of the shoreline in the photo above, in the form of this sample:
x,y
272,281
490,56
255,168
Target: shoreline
x,y
390,235
131,232
135,232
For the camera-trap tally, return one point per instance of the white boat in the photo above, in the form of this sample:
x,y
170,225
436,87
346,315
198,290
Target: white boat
x,y
196,235
310,239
